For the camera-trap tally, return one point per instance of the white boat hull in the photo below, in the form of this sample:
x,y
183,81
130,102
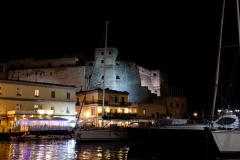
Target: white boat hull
x,y
100,135
227,140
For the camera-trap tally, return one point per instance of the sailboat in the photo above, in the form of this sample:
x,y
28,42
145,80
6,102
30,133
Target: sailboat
x,y
111,133
227,141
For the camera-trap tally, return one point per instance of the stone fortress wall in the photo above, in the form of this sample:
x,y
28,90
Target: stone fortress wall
x,y
121,75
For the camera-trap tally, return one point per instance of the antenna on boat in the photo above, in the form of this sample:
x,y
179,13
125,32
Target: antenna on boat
x,y
104,77
218,61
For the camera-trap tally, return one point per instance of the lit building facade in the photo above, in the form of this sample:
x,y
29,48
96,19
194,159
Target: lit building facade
x,y
21,100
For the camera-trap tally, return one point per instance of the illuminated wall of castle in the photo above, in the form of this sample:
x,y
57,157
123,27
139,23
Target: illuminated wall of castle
x,y
120,75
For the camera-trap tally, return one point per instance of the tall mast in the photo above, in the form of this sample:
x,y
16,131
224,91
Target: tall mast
x,y
218,61
238,23
104,77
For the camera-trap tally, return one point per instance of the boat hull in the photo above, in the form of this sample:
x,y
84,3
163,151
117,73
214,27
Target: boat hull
x,y
100,135
227,141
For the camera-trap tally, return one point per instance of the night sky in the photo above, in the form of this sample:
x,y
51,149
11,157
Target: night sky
x,y
180,38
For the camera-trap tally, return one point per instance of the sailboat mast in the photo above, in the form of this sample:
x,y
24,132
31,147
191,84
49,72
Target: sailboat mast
x,y
104,77
218,61
238,21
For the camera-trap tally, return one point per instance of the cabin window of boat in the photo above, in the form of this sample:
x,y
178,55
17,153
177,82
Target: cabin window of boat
x,y
102,53
52,108
144,112
92,111
171,104
68,95
117,63
117,77
110,53
19,92
226,120
36,92
102,61
53,94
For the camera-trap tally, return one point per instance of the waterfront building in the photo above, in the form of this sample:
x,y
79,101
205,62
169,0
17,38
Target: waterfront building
x,y
24,104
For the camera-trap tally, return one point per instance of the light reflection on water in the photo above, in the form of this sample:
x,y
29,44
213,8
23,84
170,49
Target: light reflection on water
x,y
61,150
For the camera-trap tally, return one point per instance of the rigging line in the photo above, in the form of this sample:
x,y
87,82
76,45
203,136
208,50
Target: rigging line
x,y
102,38
233,69
223,99
86,89
230,46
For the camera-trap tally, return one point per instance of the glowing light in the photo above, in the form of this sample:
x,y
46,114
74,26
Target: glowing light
x,y
195,114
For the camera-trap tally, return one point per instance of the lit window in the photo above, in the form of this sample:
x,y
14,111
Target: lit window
x,y
68,95
35,107
93,111
19,91
144,112
36,93
53,94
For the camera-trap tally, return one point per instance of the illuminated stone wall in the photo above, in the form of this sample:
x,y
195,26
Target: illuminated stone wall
x,y
62,75
120,75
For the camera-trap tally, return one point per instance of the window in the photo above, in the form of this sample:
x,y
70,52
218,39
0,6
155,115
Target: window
x,y
117,63
49,65
35,107
19,92
117,77
67,111
36,93
1,68
102,53
93,111
144,112
102,77
18,107
68,95
53,94
92,99
110,53
102,61
52,108
122,100
115,99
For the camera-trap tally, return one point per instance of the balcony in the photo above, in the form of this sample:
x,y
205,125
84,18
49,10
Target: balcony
x,y
23,112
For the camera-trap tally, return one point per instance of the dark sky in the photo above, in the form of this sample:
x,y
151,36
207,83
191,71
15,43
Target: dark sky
x,y
179,38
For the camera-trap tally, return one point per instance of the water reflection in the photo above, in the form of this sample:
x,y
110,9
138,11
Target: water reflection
x,y
61,150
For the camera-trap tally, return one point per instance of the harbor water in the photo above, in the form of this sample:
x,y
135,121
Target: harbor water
x,y
69,149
